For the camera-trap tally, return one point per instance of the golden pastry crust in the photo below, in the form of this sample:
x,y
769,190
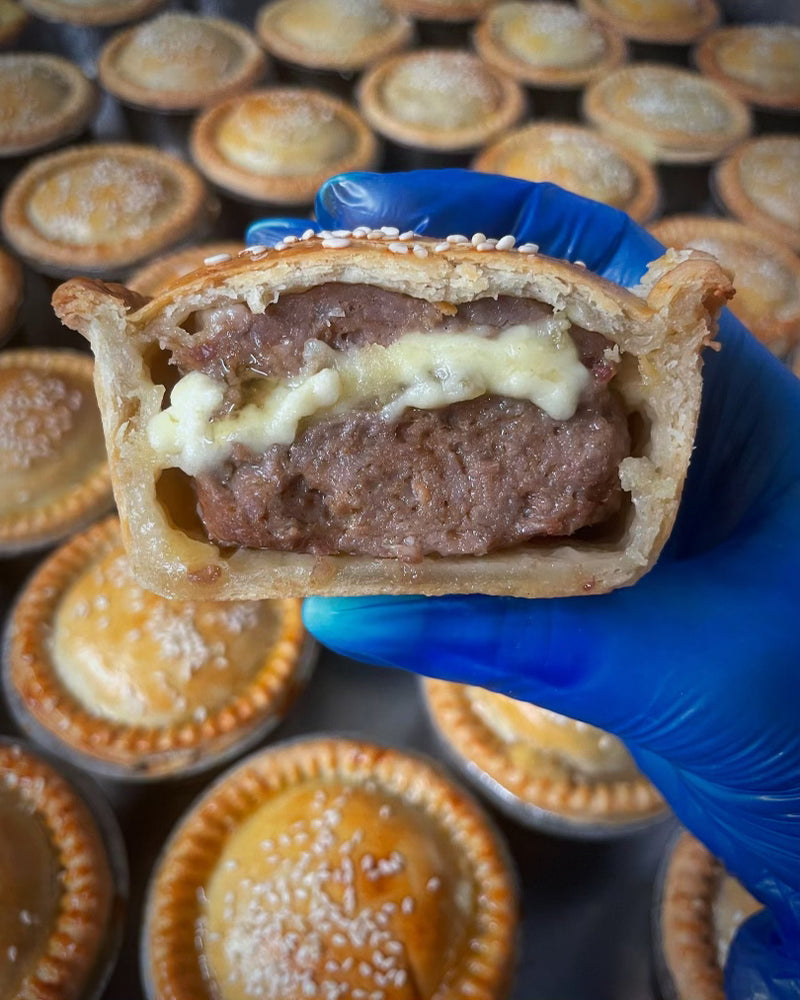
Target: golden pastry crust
x,y
91,12
580,159
101,208
158,274
660,334
54,460
549,45
442,100
180,62
538,778
766,273
670,22
421,880
668,114
442,10
329,35
176,717
74,947
11,291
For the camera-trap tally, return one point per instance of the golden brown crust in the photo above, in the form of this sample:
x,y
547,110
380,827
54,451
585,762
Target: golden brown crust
x,y
681,28
91,13
388,777
661,332
442,10
11,291
158,274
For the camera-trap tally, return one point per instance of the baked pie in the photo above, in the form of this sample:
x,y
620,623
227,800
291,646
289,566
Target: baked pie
x,y
55,472
92,13
700,909
13,19
759,184
766,274
760,63
547,44
46,100
579,159
180,62
544,769
668,114
328,867
331,35
101,208
134,686
442,100
61,888
279,144
671,22
11,292
154,277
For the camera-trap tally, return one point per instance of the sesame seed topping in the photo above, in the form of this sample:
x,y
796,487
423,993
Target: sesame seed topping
x,y
580,263
360,232
390,230
398,247
486,245
290,239
258,248
528,248
308,234
280,245
506,242
419,250
376,234
407,235
457,238
342,234
478,238
336,243
217,258
441,247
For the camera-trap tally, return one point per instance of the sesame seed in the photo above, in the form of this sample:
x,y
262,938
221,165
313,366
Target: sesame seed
x,y
360,232
342,234
217,258
506,242
336,243
11,951
407,906
457,238
580,263
375,234
419,250
486,245
398,247
528,248
407,235
478,238
390,230
258,248
440,247
308,234
433,883
280,245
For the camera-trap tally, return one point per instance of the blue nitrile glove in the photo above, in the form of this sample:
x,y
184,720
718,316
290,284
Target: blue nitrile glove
x,y
697,666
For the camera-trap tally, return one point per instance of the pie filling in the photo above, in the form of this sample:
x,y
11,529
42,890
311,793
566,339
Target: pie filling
x,y
348,419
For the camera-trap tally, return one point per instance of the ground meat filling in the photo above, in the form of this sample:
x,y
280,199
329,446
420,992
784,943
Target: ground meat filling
x,y
467,479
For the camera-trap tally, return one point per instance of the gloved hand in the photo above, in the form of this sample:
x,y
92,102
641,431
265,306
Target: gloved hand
x,y
697,666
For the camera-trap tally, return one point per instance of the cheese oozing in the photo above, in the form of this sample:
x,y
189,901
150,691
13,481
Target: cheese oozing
x,y
538,362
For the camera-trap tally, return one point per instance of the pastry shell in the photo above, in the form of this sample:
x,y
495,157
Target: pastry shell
x,y
681,28
93,13
172,638
11,292
472,932
455,11
156,275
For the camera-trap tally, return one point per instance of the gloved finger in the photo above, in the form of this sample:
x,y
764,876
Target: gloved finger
x,y
268,232
441,202
764,960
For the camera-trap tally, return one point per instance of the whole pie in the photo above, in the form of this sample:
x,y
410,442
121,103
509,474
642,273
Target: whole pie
x,y
443,100
545,769
46,100
672,22
13,19
11,291
579,159
330,35
759,184
93,12
700,909
135,686
59,914
101,208
668,114
766,274
154,277
331,868
760,63
279,144
548,44
180,62
52,452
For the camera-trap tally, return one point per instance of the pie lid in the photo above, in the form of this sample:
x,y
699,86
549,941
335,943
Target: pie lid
x,y
180,62
154,277
697,908
13,19
759,63
586,788
444,100
64,900
95,13
759,184
580,159
766,273
46,100
279,144
53,455
136,687
548,44
11,293
668,114
100,208
442,10
332,34
670,22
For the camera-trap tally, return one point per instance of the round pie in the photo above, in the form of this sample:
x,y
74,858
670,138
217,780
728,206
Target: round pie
x,y
700,909
46,100
180,62
331,34
60,885
11,291
101,208
760,63
279,144
12,20
544,769
759,183
136,686
442,10
671,22
547,44
331,868
443,100
52,452
668,114
151,279
766,274
96,13
579,159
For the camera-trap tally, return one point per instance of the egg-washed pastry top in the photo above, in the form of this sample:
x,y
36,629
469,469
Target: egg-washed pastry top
x,y
672,22
94,13
154,276
180,62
